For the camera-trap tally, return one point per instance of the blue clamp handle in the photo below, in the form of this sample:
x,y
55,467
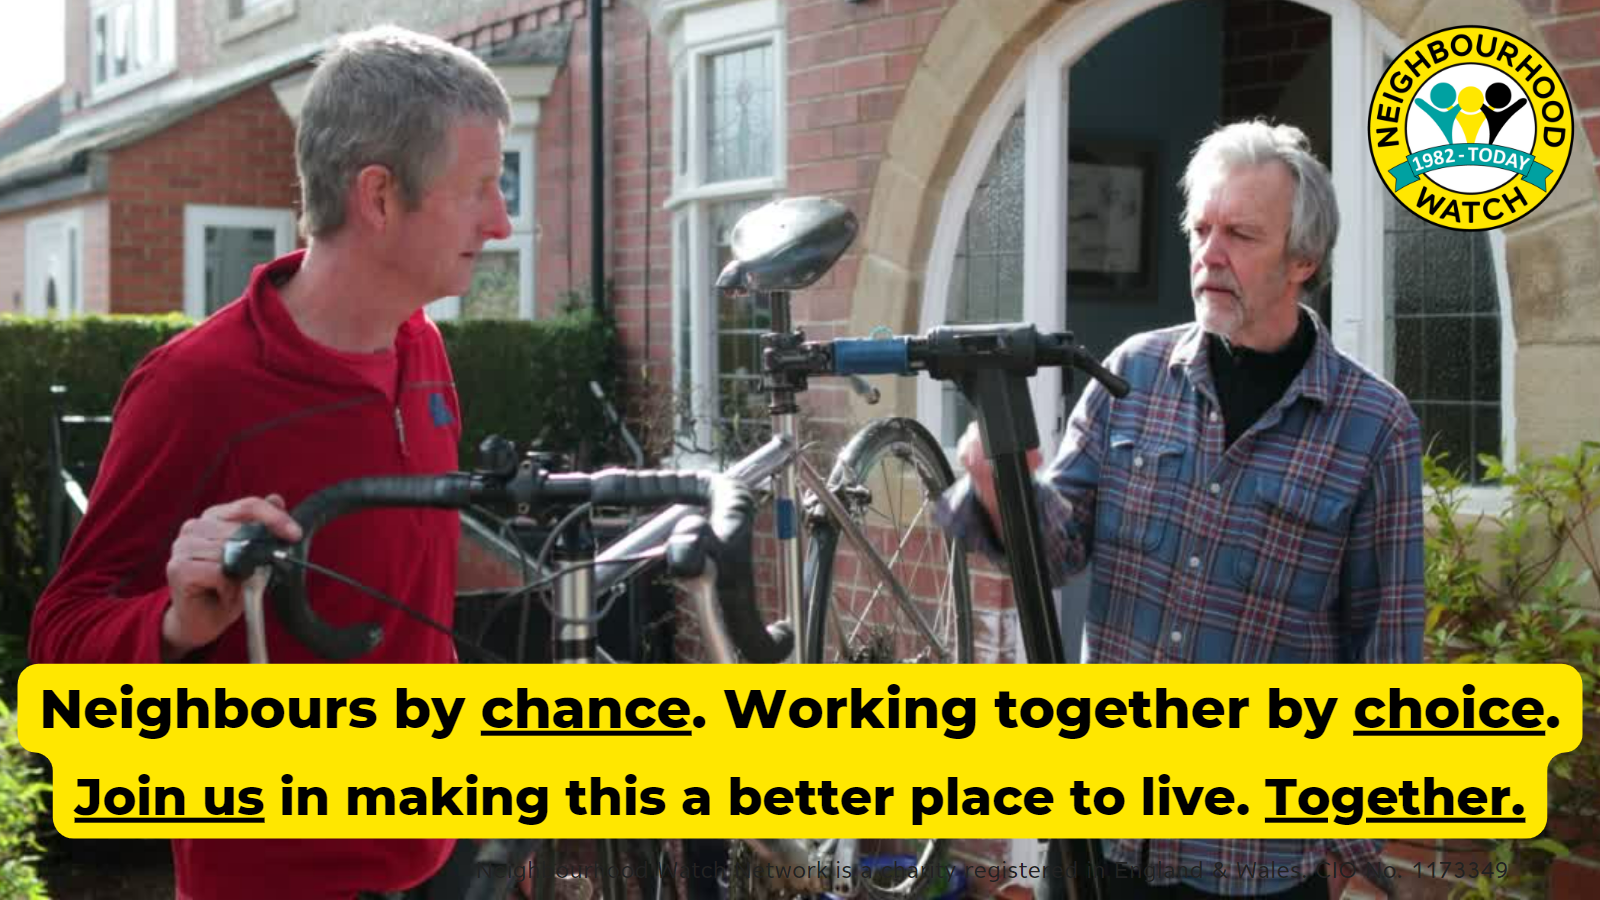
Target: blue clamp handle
x,y
869,356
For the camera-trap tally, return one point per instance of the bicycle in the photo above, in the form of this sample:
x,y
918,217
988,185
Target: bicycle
x,y
779,248
869,531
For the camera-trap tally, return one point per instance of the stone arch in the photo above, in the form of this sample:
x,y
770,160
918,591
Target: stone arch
x,y
974,52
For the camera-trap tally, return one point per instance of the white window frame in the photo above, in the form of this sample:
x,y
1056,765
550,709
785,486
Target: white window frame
x,y
35,233
448,309
524,234
166,47
198,217
246,17
1039,79
1363,326
521,142
243,9
696,34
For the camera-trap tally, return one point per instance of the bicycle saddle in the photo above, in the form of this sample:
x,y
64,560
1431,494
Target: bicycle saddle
x,y
787,245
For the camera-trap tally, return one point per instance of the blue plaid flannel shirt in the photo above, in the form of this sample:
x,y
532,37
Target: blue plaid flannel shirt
x,y
1301,543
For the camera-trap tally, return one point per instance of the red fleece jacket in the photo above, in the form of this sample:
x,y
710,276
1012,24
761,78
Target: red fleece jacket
x,y
242,405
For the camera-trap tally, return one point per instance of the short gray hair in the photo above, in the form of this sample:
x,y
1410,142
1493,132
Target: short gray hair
x,y
1314,214
386,96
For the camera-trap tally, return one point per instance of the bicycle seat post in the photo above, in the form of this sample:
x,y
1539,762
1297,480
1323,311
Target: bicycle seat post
x,y
574,638
781,387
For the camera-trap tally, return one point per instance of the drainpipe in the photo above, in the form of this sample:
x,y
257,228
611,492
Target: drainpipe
x,y
597,192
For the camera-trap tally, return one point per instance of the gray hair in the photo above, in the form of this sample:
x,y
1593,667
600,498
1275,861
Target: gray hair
x,y
1314,214
386,96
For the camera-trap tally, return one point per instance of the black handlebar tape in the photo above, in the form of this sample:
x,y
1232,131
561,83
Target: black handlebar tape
x,y
627,487
454,491
731,514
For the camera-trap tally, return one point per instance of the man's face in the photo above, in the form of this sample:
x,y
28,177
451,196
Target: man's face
x,y
1244,284
438,243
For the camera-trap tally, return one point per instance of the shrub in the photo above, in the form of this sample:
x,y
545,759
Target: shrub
x,y
21,804
1510,588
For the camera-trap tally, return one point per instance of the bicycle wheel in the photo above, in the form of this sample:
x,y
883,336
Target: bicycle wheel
x,y
888,478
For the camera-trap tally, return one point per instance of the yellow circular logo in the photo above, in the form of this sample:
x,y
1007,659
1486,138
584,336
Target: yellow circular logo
x,y
1470,128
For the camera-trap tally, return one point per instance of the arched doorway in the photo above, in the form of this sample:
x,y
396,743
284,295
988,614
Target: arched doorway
x,y
1063,208
1089,135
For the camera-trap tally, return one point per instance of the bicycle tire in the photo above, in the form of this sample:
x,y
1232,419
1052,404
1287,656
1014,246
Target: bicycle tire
x,y
853,480
883,456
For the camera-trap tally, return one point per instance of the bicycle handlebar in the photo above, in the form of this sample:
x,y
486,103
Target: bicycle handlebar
x,y
725,539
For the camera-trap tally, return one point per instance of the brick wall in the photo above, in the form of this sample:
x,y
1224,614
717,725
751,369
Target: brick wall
x,y
97,255
1569,34
849,65
1268,41
13,242
638,140
75,56
200,160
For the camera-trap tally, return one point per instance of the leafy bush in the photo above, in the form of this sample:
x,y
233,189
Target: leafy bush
x,y
21,804
1510,588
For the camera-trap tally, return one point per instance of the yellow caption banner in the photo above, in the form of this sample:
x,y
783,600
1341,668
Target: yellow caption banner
x,y
973,751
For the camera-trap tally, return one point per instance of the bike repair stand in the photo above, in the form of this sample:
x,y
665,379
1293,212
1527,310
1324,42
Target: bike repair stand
x,y
992,373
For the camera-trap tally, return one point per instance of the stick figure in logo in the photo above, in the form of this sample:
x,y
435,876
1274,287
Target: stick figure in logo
x,y
1471,116
1442,95
1496,110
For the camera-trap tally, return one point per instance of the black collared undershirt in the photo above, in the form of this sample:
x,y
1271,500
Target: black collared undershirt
x,y
1248,381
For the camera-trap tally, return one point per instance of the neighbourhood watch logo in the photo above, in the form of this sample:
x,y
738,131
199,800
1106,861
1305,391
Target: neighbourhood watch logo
x,y
1471,128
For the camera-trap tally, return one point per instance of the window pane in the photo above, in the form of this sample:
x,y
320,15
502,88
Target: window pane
x,y
231,253
102,47
122,40
740,322
739,114
496,291
685,325
74,293
682,99
144,34
1444,334
986,279
511,182
989,251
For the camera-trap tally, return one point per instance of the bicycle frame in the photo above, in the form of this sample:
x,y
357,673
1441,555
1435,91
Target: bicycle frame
x,y
778,463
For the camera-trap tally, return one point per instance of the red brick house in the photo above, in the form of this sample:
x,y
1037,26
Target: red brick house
x,y
960,131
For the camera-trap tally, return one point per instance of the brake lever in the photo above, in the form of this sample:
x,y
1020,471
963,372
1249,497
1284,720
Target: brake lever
x,y
247,556
248,549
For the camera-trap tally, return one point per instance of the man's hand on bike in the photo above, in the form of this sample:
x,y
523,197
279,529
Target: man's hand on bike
x,y
204,601
981,471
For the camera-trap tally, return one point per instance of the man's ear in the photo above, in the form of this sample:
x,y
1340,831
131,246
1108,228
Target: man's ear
x,y
375,196
1301,269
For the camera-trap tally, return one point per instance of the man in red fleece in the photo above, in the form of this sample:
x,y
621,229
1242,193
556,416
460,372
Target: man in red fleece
x,y
326,369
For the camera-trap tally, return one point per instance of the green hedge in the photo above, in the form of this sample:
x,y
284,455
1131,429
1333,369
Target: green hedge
x,y
525,380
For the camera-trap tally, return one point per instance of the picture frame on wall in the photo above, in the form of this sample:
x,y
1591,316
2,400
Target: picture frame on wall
x,y
1111,206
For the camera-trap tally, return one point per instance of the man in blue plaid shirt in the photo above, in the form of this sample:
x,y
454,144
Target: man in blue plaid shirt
x,y
1256,498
